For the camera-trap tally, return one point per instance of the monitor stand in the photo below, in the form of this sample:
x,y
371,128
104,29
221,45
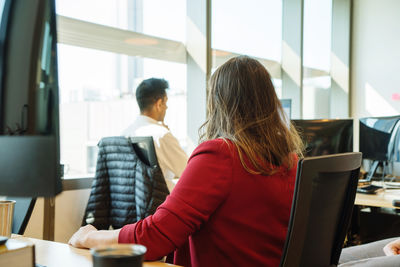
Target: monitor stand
x,y
372,170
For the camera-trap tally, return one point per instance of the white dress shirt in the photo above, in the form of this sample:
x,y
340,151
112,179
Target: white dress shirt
x,y
170,155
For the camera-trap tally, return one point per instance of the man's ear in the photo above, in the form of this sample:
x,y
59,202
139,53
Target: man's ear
x,y
158,104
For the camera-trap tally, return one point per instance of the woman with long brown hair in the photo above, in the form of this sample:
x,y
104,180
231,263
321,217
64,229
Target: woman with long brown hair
x,y
232,204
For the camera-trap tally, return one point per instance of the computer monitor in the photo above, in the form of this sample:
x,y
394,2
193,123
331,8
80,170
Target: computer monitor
x,y
324,137
376,137
287,107
377,140
29,115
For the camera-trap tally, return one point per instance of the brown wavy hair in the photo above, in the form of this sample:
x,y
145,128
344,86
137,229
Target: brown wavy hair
x,y
244,108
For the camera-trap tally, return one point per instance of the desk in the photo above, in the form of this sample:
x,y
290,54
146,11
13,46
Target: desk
x,y
379,221
54,254
382,199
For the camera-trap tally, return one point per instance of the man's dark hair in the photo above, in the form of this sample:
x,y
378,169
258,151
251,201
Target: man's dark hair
x,y
149,91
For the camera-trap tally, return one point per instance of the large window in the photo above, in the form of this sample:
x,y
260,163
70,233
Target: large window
x,y
152,17
316,58
97,88
253,28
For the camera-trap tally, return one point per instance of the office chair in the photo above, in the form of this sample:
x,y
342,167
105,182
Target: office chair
x,y
128,184
144,148
322,205
22,212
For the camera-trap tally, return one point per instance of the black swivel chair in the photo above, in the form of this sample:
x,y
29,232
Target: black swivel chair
x,y
22,212
321,211
144,148
128,185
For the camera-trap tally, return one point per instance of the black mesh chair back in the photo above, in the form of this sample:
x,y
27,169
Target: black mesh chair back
x,y
321,210
22,212
144,148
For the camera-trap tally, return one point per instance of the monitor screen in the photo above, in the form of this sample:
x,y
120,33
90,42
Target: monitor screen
x,y
324,137
287,107
29,118
376,136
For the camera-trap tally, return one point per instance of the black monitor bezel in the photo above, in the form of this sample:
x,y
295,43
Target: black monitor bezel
x,y
30,161
321,122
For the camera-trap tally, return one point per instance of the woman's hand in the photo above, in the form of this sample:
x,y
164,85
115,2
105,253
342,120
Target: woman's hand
x,y
393,248
89,237
80,238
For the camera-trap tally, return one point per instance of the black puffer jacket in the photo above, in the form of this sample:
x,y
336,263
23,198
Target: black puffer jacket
x,y
125,189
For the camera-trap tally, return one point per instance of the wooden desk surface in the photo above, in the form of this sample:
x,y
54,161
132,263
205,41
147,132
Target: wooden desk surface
x,y
382,199
54,254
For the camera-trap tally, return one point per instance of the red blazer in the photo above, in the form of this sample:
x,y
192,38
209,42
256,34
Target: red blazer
x,y
219,214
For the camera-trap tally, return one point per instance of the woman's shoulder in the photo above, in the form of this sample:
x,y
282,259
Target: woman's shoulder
x,y
218,146
216,141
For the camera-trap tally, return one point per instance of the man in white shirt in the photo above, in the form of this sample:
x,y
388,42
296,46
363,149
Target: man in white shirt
x,y
152,99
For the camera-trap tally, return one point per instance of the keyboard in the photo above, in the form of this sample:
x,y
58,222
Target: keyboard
x,y
369,189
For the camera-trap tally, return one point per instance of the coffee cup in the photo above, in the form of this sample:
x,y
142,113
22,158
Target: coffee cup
x,y
6,217
121,255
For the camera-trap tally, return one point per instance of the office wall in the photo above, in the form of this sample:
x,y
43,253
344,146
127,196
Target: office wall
x,y
375,58
70,206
